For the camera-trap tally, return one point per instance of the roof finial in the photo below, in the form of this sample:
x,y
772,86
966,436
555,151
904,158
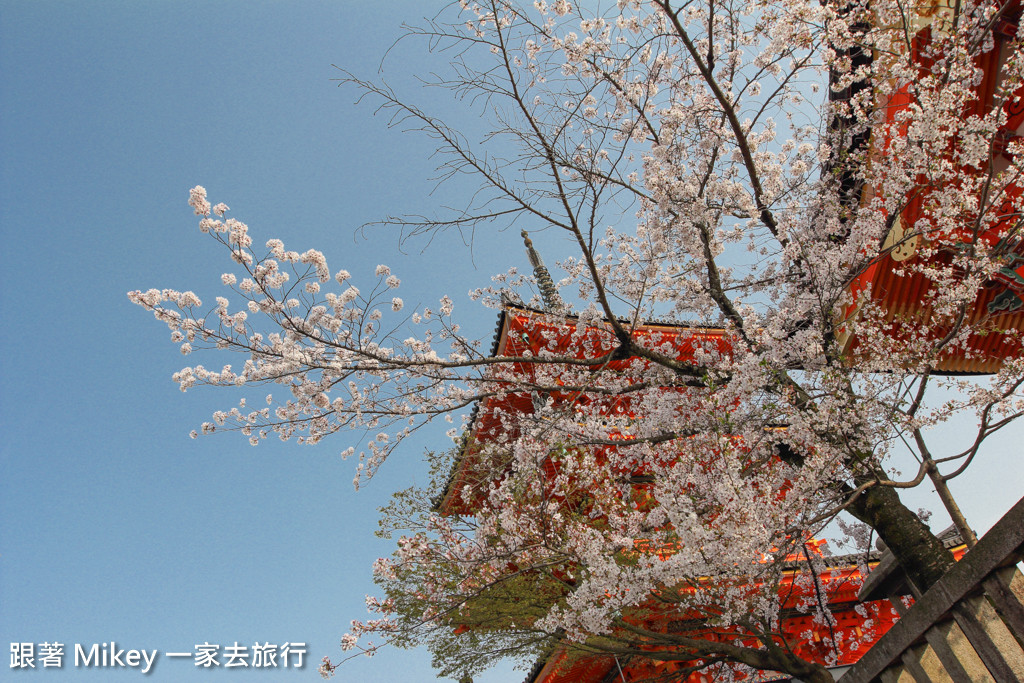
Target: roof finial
x,y
549,294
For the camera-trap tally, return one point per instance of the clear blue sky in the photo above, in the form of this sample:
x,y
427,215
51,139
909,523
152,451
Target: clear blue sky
x,y
114,525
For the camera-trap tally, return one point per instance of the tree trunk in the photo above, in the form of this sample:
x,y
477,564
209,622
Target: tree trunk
x,y
922,556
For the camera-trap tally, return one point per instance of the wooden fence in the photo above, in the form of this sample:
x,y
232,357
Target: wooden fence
x,y
967,628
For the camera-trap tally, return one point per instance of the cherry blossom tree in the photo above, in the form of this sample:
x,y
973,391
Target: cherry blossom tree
x,y
735,163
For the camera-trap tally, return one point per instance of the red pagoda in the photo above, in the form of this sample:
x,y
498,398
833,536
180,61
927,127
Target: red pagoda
x,y
839,641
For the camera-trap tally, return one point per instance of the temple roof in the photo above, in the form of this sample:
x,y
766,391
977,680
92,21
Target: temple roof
x,y
555,668
516,321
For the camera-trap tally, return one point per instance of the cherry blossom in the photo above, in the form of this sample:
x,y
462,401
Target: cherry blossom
x,y
746,167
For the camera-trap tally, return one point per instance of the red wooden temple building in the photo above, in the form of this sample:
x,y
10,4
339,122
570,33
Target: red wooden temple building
x,y
897,279
854,626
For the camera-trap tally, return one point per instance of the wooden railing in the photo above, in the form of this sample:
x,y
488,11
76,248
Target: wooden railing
x,y
967,628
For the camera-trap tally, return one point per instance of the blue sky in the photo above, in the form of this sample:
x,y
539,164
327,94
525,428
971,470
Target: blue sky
x,y
114,525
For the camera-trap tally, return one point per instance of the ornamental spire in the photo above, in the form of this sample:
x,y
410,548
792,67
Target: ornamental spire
x,y
548,293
